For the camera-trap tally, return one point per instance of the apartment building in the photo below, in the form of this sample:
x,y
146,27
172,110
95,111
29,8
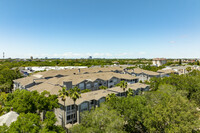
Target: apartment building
x,y
41,77
91,100
159,61
84,81
166,72
183,69
92,79
143,75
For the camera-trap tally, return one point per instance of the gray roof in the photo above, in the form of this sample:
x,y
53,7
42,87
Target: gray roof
x,y
8,118
98,94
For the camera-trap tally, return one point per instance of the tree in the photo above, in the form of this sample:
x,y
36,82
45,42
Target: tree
x,y
63,93
180,62
154,83
100,120
1,110
49,124
74,94
103,87
123,85
3,129
130,92
26,123
46,102
110,96
169,110
24,101
198,63
30,123
188,69
6,78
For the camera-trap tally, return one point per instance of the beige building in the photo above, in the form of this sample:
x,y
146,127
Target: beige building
x,y
159,61
91,100
54,75
91,78
84,81
143,75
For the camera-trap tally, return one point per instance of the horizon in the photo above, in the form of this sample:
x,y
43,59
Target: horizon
x,y
113,29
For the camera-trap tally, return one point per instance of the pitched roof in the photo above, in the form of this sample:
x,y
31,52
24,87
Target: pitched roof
x,y
94,76
96,95
54,84
53,89
139,70
8,118
166,71
64,73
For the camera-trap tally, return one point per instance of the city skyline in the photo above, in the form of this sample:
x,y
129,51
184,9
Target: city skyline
x,y
101,29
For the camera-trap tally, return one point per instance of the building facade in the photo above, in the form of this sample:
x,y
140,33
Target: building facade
x,y
159,61
91,100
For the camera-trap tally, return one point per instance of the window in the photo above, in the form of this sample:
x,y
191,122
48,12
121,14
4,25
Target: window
x,y
88,86
84,106
68,108
115,80
68,117
95,84
92,102
81,86
102,100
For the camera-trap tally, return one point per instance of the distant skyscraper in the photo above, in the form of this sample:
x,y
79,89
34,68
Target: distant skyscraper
x,y
31,57
90,57
3,55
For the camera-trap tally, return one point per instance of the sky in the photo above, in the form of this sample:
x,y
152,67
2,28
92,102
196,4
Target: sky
x,y
100,28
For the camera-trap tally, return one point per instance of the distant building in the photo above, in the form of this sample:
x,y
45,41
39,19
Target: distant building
x,y
90,57
31,57
159,61
143,75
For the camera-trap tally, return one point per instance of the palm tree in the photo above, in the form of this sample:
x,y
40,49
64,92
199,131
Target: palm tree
x,y
74,94
130,92
63,93
110,96
122,84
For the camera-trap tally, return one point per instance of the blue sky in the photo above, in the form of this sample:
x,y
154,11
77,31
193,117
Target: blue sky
x,y
101,28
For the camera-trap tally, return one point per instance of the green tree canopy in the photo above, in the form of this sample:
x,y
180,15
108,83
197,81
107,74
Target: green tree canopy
x,y
26,123
24,101
101,120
